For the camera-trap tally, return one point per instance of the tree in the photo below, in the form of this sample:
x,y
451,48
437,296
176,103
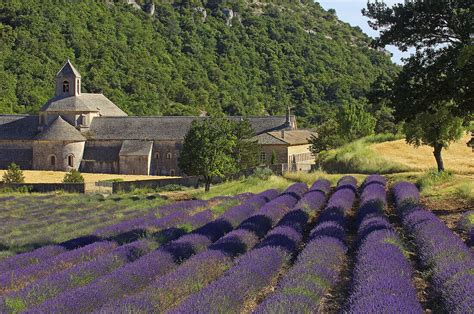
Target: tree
x,y
436,83
246,149
273,158
73,176
327,137
13,175
355,122
438,130
208,149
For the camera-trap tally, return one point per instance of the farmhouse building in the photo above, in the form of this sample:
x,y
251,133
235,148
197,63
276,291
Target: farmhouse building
x,y
76,130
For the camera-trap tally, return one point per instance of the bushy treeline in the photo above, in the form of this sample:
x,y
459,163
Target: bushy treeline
x,y
189,57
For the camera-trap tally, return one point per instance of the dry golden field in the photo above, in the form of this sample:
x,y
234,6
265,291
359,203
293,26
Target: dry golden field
x,y
458,157
34,176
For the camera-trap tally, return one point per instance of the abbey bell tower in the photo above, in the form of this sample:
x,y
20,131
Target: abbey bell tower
x,y
68,81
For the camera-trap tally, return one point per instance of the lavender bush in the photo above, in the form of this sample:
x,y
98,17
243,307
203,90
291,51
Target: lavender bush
x,y
466,225
30,258
445,256
207,266
135,276
319,264
74,277
19,278
382,275
256,269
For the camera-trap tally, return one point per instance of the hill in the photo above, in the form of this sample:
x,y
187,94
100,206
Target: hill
x,y
235,57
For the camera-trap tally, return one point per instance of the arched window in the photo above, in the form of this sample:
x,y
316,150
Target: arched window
x,y
157,155
70,161
65,87
172,172
168,156
52,160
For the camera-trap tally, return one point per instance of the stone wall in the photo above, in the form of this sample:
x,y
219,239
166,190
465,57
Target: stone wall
x,y
164,158
101,157
47,187
139,165
281,152
19,152
43,151
153,184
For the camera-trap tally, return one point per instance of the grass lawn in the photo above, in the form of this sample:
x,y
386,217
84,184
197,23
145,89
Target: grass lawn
x,y
371,155
36,176
458,158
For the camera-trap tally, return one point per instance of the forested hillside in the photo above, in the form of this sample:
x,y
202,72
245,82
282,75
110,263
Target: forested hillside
x,y
236,57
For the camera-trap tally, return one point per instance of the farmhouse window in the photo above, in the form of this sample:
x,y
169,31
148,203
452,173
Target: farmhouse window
x,y
263,157
70,160
65,87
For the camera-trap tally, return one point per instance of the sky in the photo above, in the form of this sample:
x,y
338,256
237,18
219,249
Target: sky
x,y
350,11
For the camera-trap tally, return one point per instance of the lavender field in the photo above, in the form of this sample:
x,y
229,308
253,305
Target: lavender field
x,y
356,247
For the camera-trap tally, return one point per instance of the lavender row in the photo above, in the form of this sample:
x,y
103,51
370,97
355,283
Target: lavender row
x,y
177,213
74,277
448,259
466,225
133,277
256,269
34,257
174,214
19,278
319,264
207,266
382,277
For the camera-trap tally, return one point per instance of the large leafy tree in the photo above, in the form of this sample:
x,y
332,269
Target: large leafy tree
x,y
433,93
208,149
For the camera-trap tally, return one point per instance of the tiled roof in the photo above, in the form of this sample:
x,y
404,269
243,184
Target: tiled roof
x,y
136,148
164,128
295,137
68,69
83,103
18,127
60,130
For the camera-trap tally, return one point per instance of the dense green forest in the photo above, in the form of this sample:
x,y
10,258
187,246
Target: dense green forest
x,y
236,57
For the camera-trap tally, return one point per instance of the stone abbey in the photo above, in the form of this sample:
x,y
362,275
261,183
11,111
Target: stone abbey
x,y
88,132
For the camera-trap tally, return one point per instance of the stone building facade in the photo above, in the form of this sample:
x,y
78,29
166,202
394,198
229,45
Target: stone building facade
x,y
88,132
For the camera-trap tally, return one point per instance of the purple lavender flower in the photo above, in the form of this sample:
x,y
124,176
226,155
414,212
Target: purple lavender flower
x,y
382,275
135,276
18,279
405,193
74,277
254,270
29,258
318,265
184,206
449,259
466,225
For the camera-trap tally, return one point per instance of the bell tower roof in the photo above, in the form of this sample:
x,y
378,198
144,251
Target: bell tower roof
x,y
68,70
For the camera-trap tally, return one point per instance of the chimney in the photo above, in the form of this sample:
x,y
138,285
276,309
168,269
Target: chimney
x,y
288,116
283,133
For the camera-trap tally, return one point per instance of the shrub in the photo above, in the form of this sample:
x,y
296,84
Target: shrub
x,y
263,173
73,176
433,177
14,174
